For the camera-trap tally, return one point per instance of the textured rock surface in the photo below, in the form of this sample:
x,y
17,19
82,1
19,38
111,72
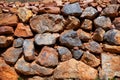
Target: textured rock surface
x,y
87,24
77,54
6,30
18,42
116,22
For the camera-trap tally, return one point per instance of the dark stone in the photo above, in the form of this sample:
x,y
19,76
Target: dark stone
x,y
18,42
77,54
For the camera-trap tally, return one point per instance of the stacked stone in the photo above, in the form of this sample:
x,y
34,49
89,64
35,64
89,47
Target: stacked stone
x,y
60,39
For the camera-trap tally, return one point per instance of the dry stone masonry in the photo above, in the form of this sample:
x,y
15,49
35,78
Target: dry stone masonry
x,y
60,40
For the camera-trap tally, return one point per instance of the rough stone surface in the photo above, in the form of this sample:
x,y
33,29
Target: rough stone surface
x,y
18,42
5,41
8,19
48,57
70,38
23,31
72,9
84,36
7,72
110,66
87,25
36,78
24,14
28,49
46,38
47,23
103,22
64,53
90,59
93,46
89,13
112,36
98,34
74,69
116,22
12,54
77,54
4,30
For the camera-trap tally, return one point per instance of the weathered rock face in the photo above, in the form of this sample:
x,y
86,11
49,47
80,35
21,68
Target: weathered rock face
x,y
18,42
4,30
70,38
77,54
48,57
23,31
47,23
110,66
5,41
116,22
64,53
87,24
112,36
90,59
7,72
46,38
24,14
8,19
72,9
12,54
74,69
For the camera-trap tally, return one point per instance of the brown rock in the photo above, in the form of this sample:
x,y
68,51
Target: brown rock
x,y
73,1
7,72
23,31
36,78
6,30
84,36
47,23
24,14
59,2
48,57
5,41
74,69
93,46
90,59
87,25
8,19
98,34
110,66
116,22
12,54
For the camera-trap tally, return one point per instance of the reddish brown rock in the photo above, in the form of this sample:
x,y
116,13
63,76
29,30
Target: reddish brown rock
x,y
5,41
6,30
7,72
90,59
84,36
73,1
74,69
12,54
87,25
110,66
36,78
23,30
116,22
48,57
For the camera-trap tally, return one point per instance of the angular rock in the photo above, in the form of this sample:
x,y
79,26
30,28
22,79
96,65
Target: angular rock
x,y
111,10
77,54
5,41
110,66
90,59
72,23
28,49
103,22
70,38
47,23
8,19
93,46
98,34
116,22
74,69
18,42
7,72
48,57
89,13
4,30
12,54
46,38
23,31
72,9
84,36
112,36
64,53
87,25
24,14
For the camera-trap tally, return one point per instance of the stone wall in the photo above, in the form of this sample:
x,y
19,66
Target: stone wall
x,y
60,40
